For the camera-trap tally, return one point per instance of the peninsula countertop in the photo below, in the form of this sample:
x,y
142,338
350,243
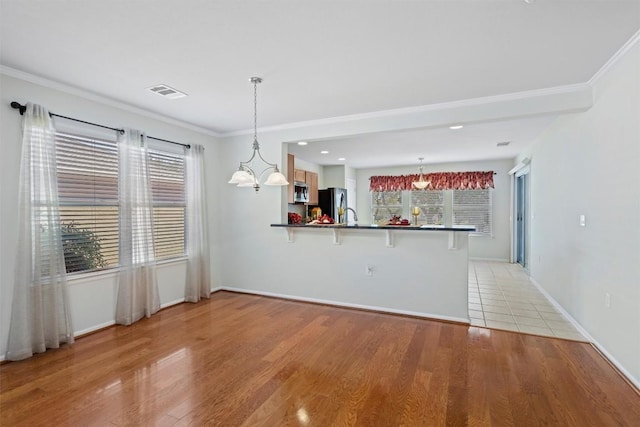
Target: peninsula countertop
x,y
379,227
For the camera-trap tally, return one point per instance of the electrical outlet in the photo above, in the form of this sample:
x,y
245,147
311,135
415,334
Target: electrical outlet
x,y
369,270
607,299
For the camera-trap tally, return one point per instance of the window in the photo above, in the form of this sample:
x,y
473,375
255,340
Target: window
x,y
166,170
449,208
87,171
431,204
385,204
472,207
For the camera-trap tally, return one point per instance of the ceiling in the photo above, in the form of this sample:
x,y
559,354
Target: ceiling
x,y
478,141
319,60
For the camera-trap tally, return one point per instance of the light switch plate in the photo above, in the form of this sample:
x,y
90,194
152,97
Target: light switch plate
x,y
583,221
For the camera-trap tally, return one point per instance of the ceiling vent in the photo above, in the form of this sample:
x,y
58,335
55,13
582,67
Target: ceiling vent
x,y
503,144
166,91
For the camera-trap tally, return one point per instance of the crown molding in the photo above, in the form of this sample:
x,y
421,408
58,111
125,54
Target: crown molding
x,y
630,44
508,97
91,96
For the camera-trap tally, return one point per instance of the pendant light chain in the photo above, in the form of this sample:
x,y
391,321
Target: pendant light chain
x,y
255,110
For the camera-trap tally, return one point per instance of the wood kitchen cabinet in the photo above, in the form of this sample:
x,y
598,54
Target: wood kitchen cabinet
x,y
311,178
299,175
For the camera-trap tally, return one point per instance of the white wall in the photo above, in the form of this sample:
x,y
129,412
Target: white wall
x,y
589,164
313,268
334,176
495,247
307,166
92,296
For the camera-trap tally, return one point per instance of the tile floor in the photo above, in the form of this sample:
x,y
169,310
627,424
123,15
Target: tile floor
x,y
501,296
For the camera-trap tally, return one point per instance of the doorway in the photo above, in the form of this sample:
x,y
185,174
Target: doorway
x,y
521,219
519,212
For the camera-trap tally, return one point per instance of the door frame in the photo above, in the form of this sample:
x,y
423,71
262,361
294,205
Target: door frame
x,y
522,168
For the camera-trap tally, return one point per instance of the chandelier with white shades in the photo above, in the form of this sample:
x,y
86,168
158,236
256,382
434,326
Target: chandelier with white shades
x,y
245,176
421,183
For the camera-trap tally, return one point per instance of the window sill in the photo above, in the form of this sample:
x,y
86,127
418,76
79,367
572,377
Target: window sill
x,y
91,275
175,260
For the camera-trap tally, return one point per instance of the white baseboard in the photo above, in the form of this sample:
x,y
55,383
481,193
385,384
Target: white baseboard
x,y
94,328
489,259
587,335
349,305
219,288
170,303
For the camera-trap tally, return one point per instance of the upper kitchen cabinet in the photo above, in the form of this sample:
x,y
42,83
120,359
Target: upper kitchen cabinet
x,y
299,175
311,178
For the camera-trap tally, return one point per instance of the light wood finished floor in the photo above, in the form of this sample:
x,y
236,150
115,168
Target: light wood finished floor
x,y
254,361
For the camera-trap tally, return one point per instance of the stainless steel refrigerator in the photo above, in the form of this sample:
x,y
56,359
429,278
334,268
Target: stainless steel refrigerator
x,y
330,201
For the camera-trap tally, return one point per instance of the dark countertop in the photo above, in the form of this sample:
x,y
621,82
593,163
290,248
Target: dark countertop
x,y
377,227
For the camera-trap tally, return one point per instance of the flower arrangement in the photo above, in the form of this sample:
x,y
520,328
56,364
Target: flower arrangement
x,y
294,218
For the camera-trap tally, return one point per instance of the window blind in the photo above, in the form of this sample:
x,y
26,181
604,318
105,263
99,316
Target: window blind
x,y
167,175
431,204
87,173
385,205
473,207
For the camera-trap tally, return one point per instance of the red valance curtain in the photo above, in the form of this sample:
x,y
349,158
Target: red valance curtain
x,y
438,181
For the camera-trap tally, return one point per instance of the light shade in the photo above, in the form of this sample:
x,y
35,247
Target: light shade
x,y
276,178
421,185
241,177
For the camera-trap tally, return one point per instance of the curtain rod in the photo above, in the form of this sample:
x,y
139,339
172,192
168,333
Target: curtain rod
x,y
22,108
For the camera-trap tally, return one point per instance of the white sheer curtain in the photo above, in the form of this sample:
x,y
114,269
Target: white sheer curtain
x,y
137,283
40,316
198,278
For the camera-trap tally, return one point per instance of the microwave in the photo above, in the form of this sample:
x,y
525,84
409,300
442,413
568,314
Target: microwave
x,y
300,192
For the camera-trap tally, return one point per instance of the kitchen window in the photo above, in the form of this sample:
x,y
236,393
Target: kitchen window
x,y
452,208
87,173
385,204
472,207
431,204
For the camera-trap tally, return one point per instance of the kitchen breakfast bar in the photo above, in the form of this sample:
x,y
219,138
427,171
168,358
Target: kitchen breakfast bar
x,y
414,270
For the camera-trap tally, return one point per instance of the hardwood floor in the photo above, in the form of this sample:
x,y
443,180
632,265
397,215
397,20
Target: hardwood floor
x,y
254,361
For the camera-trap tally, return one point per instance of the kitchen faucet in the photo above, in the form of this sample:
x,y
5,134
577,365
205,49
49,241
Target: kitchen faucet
x,y
346,215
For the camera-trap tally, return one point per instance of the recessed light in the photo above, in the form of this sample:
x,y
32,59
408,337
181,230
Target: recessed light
x,y
324,152
302,143
503,144
455,127
341,159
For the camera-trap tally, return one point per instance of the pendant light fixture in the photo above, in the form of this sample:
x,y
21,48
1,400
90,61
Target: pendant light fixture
x,y
245,175
421,183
